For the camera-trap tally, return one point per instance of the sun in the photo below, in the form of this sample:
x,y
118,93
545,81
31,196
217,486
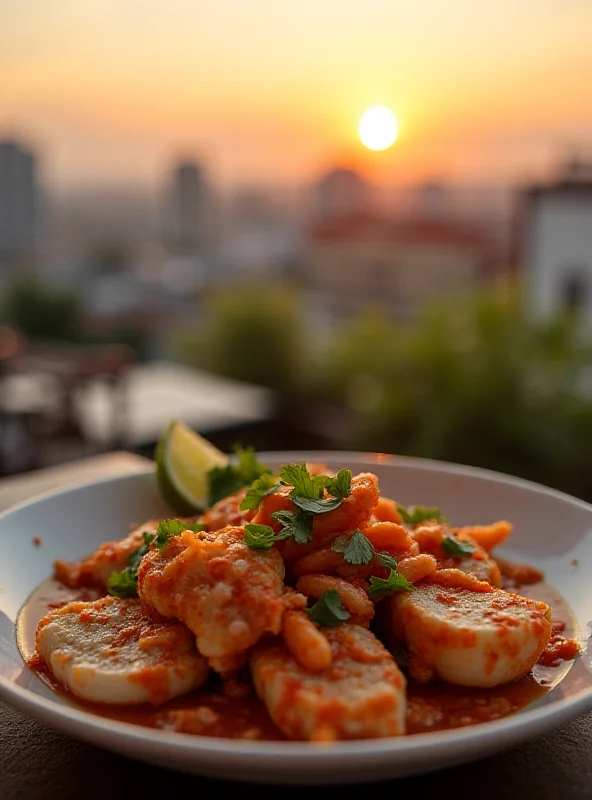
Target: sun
x,y
378,128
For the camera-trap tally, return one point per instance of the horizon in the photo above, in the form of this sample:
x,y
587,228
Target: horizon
x,y
108,95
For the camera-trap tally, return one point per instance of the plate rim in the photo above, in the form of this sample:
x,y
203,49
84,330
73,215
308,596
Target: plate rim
x,y
518,726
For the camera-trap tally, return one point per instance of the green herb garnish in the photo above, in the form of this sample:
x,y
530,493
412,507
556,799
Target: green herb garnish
x,y
224,481
413,515
259,489
358,550
328,611
307,491
379,587
387,560
125,583
455,548
166,529
340,485
297,524
262,537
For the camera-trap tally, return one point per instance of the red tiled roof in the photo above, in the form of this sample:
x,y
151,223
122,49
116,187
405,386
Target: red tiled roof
x,y
368,226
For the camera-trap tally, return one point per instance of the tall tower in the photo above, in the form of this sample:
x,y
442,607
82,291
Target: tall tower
x,y
19,198
188,209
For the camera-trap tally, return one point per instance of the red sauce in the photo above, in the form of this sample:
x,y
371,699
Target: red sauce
x,y
239,714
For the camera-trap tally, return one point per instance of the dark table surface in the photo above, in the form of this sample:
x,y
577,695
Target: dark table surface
x,y
39,762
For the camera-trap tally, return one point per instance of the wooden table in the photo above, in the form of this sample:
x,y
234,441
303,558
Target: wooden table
x,y
39,762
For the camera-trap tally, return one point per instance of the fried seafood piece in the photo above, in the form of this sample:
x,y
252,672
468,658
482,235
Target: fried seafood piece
x,y
228,594
109,651
94,570
471,638
351,514
479,563
360,696
227,512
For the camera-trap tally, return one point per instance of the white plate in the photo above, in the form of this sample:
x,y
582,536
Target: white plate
x,y
552,532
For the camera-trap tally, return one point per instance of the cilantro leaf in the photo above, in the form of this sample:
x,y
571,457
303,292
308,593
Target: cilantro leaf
x,y
295,523
340,485
304,484
455,548
416,514
262,537
379,587
328,611
195,527
316,506
359,549
387,560
166,529
248,467
134,559
224,481
123,584
259,537
260,488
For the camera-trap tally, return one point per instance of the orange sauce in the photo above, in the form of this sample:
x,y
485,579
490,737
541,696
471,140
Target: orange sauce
x,y
209,711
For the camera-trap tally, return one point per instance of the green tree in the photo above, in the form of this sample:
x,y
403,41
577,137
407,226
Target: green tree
x,y
41,313
471,382
252,333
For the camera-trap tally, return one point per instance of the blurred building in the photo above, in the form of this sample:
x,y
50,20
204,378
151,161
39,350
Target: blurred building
x,y
341,192
188,210
432,200
19,198
555,244
359,260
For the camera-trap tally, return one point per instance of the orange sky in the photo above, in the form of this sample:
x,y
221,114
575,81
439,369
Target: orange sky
x,y
272,90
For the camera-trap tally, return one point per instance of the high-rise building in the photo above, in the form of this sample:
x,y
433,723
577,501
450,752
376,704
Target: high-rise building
x,y
188,205
19,198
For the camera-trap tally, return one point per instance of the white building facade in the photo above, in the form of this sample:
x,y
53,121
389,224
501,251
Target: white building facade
x,y
557,250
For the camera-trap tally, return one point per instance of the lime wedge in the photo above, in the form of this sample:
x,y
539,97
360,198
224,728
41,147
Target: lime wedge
x,y
183,460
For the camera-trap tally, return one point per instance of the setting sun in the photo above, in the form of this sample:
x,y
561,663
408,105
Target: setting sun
x,y
378,128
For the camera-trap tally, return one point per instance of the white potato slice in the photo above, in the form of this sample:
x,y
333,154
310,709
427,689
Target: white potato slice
x,y
108,651
469,638
360,696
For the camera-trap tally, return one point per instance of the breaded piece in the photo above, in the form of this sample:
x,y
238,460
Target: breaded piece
x,y
482,566
360,696
469,638
351,514
94,570
109,651
227,512
228,594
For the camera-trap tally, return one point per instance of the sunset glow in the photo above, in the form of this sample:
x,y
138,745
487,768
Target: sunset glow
x,y
378,128
274,92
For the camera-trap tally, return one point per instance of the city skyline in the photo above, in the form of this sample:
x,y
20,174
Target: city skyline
x,y
274,94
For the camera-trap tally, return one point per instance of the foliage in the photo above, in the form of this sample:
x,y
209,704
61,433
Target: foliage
x,y
474,383
40,313
56,315
252,333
